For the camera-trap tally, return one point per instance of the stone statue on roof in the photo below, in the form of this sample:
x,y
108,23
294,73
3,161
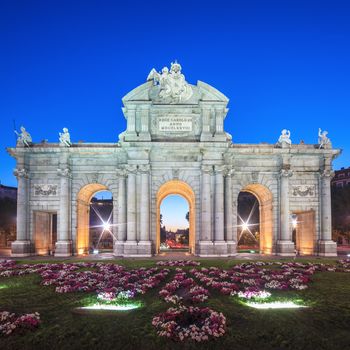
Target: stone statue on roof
x,y
323,140
65,138
173,85
284,139
24,137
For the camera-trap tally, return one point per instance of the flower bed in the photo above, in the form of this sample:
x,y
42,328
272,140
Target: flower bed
x,y
116,286
190,323
12,323
182,289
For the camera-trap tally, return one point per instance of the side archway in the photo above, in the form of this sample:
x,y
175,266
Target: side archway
x,y
265,199
83,214
183,189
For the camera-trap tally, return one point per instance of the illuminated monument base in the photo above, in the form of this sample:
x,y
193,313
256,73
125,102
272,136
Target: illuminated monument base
x,y
174,143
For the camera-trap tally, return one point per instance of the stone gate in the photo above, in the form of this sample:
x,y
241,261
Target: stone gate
x,y
175,143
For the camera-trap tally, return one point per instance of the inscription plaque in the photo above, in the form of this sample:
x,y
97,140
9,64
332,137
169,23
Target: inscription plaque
x,y
175,124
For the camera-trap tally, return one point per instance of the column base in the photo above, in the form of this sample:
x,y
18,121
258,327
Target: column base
x,y
219,137
118,248
232,248
21,249
220,248
144,136
205,249
327,248
130,249
206,136
63,248
144,249
285,248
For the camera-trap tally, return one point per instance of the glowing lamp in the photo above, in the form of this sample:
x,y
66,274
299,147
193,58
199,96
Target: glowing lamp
x,y
111,307
275,305
244,226
106,226
95,251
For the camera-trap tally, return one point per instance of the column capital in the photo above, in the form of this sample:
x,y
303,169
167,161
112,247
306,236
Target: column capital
x,y
131,168
219,169
144,168
285,172
21,173
64,172
229,171
327,173
207,169
121,172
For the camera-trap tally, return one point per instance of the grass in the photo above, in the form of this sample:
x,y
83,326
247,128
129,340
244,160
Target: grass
x,y
324,325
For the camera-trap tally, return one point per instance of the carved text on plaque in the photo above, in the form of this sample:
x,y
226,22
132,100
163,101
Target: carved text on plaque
x,y
175,124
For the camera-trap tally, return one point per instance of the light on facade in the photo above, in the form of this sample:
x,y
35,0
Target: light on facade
x,y
275,305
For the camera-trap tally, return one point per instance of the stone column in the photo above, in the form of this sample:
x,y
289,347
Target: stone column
x,y
130,246
22,246
130,113
145,120
219,124
63,245
206,134
206,203
206,239
285,244
326,246
144,245
121,214
231,241
220,246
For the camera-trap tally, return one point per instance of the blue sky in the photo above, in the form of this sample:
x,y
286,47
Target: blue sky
x,y
283,64
174,209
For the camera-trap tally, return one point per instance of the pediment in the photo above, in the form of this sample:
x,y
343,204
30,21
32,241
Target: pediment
x,y
202,92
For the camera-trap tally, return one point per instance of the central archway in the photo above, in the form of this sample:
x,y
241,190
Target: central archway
x,y
183,189
265,199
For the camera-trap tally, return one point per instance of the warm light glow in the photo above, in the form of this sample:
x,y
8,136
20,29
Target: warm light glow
x,y
106,226
244,226
295,223
275,305
111,307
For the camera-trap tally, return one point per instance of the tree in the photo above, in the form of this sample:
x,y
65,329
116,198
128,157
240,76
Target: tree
x,y
188,216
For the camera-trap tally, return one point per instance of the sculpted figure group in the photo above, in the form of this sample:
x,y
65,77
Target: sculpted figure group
x,y
25,139
285,141
172,83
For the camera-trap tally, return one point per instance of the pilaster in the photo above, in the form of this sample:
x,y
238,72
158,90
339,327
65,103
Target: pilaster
x,y
144,245
220,245
22,246
327,247
285,245
63,246
231,240
205,245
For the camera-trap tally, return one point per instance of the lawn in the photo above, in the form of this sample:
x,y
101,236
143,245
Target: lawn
x,y
325,324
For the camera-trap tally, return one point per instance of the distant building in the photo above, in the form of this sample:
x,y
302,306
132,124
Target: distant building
x,y
8,192
341,178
